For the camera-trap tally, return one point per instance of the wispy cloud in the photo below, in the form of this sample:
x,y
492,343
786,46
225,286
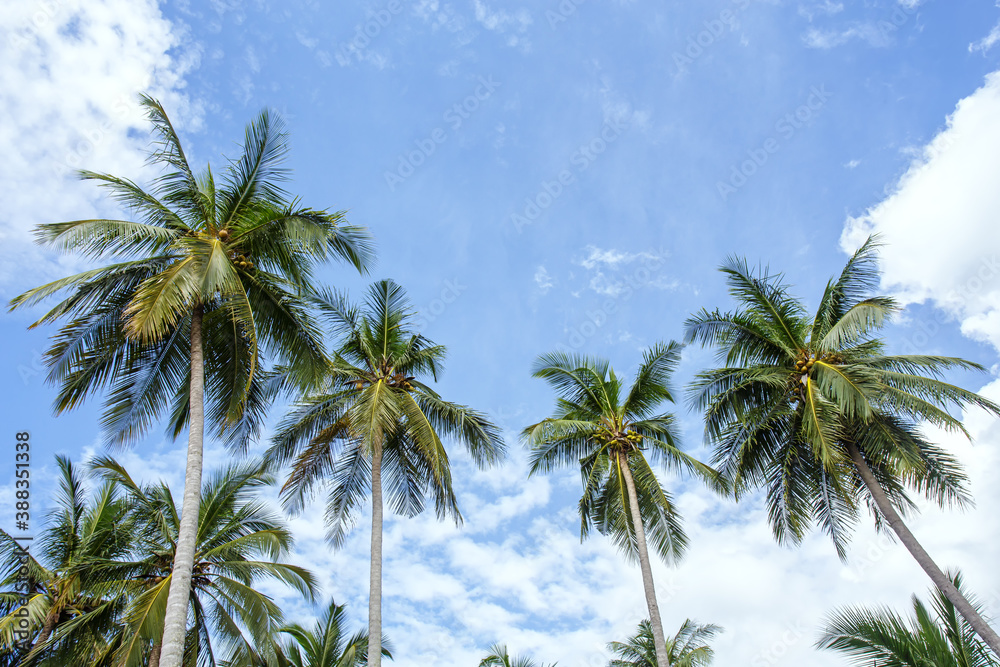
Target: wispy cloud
x,y
828,39
988,42
543,280
825,8
613,258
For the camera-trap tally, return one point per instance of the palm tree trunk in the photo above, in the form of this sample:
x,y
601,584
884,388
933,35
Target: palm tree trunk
x,y
375,594
154,655
647,573
178,597
944,584
47,628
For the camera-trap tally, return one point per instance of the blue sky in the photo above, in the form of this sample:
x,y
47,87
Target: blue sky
x,y
555,175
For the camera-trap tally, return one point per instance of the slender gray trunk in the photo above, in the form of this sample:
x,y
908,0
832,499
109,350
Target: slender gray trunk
x,y
944,584
47,628
647,573
178,597
154,655
375,594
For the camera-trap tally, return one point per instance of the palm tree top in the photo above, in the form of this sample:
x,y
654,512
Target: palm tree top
x,y
688,648
595,408
881,637
795,392
233,254
499,657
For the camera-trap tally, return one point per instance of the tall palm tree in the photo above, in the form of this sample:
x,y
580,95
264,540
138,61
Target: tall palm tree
x,y
881,637
327,644
814,410
688,648
607,435
372,417
498,657
240,542
202,278
72,605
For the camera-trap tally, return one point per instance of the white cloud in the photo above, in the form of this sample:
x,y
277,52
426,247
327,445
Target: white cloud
x,y
71,73
253,62
543,280
940,220
612,258
879,32
988,42
502,21
825,8
828,39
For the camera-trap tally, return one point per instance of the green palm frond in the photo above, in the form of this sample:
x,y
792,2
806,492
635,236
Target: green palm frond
x,y
593,427
882,637
371,399
689,647
238,249
794,392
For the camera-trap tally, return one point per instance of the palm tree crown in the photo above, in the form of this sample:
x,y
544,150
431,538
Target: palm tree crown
x,y
374,401
881,637
688,648
498,657
73,604
240,543
372,416
813,409
607,435
601,430
327,644
797,391
235,252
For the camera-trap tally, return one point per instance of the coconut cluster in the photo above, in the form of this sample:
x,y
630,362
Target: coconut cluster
x,y
628,437
242,261
803,366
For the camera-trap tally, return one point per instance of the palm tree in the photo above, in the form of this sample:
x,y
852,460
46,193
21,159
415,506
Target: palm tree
x,y
72,604
882,638
607,434
499,657
326,644
374,416
688,648
239,543
204,277
813,409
